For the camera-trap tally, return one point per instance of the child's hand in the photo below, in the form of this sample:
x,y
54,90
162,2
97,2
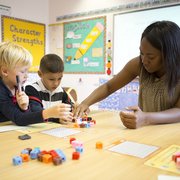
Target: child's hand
x,y
22,100
65,121
61,111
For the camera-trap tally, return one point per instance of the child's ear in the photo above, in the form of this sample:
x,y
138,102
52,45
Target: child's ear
x,y
39,73
4,71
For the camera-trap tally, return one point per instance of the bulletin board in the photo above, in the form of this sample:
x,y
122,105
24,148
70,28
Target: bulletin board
x,y
28,34
84,46
122,98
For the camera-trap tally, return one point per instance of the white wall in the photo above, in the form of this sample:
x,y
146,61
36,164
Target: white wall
x,y
65,7
32,10
46,11
59,8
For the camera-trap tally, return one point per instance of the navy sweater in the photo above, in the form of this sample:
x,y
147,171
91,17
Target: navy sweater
x,y
10,111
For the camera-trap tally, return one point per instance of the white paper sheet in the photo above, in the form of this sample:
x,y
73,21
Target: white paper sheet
x,y
10,128
133,149
61,132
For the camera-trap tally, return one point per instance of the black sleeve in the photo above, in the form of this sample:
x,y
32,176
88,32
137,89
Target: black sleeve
x,y
35,101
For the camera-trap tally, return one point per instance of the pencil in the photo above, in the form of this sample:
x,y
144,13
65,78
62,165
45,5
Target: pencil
x,y
89,40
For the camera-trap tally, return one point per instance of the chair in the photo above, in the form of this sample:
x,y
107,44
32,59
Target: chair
x,y
71,93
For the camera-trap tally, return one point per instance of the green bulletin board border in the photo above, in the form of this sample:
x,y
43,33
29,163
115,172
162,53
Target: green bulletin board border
x,y
80,29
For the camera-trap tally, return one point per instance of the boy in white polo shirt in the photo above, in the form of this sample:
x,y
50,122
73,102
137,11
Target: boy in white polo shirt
x,y
47,91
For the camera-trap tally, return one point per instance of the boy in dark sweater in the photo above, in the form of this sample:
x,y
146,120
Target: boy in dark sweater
x,y
14,103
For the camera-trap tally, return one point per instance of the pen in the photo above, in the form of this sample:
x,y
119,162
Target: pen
x,y
18,83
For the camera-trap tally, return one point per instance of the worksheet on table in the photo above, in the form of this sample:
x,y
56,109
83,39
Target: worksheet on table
x,y
61,132
11,128
163,160
134,149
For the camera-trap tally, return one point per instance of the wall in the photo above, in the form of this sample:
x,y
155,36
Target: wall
x,y
83,83
34,10
46,11
64,7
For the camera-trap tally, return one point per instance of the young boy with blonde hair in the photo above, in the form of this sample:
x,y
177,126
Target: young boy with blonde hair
x,y
14,103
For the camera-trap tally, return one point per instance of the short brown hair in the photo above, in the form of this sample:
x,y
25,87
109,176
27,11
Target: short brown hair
x,y
51,63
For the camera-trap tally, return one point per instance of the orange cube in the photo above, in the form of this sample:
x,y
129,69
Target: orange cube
x,y
25,157
47,158
99,145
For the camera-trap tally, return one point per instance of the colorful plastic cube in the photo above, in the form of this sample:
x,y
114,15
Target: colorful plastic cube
x,y
57,160
34,154
61,154
175,156
99,145
46,158
75,155
72,139
17,160
76,144
25,157
79,149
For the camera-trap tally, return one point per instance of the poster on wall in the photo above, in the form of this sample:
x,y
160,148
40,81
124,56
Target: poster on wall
x,y
122,98
84,46
28,34
56,39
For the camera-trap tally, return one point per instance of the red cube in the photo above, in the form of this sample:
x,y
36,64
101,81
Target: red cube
x,y
75,155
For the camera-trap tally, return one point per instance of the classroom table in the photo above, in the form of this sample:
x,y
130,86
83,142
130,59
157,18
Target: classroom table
x,y
94,164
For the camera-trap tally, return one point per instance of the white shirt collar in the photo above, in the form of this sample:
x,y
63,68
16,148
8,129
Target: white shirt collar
x,y
43,88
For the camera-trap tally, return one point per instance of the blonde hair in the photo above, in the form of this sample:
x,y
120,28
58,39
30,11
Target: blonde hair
x,y
12,54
